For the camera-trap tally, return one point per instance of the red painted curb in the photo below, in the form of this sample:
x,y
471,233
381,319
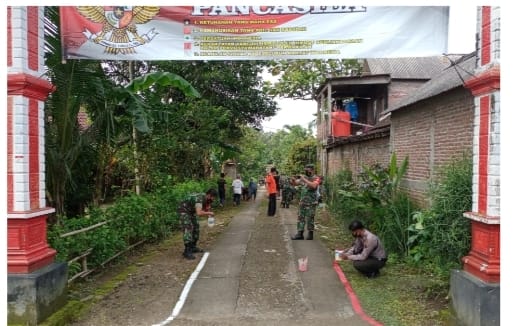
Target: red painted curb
x,y
353,298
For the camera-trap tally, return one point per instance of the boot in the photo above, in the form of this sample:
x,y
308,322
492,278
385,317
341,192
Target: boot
x,y
196,249
298,236
188,253
310,236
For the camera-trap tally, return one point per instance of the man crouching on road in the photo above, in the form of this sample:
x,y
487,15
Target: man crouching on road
x,y
367,253
190,209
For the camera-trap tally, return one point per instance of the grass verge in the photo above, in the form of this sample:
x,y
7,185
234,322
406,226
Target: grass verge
x,y
401,296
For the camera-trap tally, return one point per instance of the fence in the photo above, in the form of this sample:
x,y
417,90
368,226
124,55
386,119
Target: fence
x,y
83,256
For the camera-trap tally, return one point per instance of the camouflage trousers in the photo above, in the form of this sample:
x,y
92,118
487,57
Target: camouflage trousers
x,y
190,229
306,216
287,197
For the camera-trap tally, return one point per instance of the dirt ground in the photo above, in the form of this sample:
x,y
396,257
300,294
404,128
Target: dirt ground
x,y
146,284
156,273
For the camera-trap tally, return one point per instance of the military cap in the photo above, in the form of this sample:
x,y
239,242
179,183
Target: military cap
x,y
309,166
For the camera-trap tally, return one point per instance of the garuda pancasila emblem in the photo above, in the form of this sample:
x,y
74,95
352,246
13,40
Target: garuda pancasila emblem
x,y
118,22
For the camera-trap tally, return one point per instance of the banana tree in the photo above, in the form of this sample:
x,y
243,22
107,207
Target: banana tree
x,y
132,98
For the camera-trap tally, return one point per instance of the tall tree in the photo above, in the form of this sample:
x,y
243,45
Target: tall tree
x,y
235,86
208,131
290,149
252,157
299,79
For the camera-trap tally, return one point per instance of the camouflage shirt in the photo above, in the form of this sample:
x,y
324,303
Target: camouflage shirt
x,y
188,205
308,196
286,184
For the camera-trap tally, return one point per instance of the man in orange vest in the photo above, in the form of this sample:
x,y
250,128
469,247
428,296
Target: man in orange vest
x,y
271,186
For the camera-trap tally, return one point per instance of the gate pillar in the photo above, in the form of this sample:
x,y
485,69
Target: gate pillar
x,y
475,291
36,284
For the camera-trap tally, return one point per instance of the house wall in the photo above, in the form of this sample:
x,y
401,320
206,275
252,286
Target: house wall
x,y
431,133
354,155
401,88
230,170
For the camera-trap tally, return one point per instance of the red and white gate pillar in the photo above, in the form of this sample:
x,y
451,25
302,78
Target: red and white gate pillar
x,y
34,280
476,290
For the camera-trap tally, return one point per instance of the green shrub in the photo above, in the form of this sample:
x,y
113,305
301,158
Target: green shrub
x,y
441,235
376,200
392,224
129,220
337,187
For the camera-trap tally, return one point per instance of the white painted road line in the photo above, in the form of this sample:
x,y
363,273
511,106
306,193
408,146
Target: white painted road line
x,y
185,292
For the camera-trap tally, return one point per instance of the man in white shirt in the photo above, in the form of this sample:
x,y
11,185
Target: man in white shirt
x,y
237,189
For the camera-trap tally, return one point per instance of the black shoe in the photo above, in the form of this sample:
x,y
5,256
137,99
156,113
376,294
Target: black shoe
x,y
298,236
189,256
310,236
188,253
373,274
197,250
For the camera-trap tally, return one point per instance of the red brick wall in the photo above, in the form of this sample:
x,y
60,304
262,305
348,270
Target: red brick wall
x,y
431,133
354,155
401,88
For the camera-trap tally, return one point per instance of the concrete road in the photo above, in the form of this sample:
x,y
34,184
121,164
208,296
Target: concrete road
x,y
251,277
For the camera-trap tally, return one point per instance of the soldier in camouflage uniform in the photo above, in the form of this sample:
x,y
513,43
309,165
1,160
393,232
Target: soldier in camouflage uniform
x,y
308,202
190,209
287,192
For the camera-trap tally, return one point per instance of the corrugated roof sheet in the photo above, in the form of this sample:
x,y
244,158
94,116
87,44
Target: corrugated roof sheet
x,y
453,76
407,68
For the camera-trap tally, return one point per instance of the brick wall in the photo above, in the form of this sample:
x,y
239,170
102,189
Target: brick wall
x,y
430,133
354,155
401,88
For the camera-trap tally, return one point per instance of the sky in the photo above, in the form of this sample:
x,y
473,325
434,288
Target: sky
x,y
461,39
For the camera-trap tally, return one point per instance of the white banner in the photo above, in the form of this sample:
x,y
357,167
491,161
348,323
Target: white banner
x,y
252,32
